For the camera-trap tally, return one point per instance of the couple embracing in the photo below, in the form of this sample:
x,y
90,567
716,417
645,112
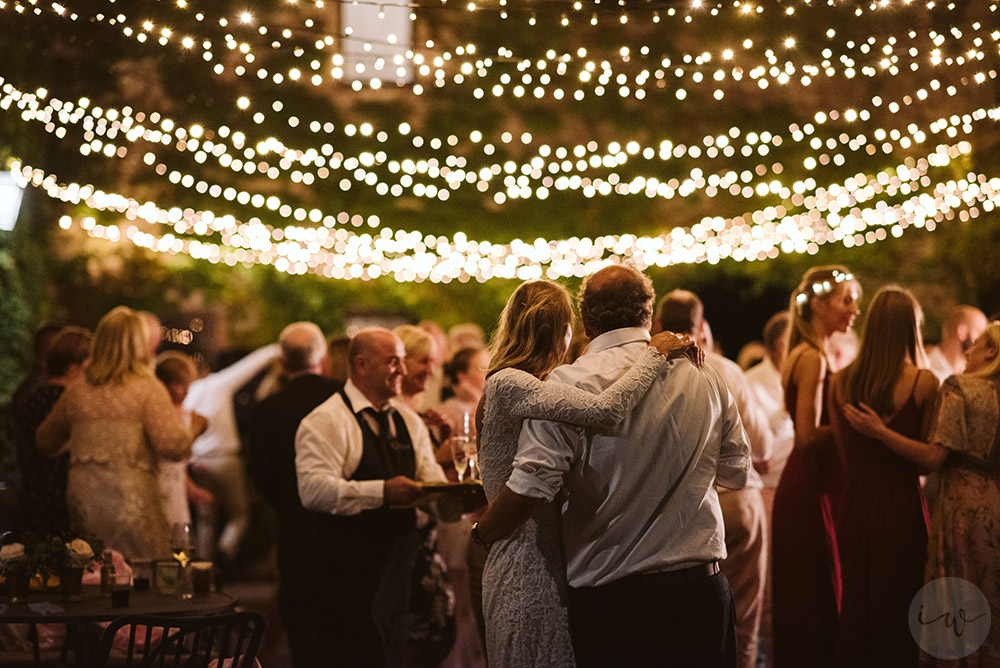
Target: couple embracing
x,y
604,525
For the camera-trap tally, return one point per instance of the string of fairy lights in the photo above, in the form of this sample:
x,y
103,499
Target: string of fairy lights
x,y
543,176
832,214
687,65
516,165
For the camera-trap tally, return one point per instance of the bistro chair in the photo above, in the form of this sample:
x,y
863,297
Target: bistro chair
x,y
224,641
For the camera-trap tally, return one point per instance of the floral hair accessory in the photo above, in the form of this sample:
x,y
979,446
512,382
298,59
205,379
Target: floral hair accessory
x,y
822,288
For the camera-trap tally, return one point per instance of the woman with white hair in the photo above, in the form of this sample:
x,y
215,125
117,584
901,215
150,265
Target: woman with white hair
x,y
115,423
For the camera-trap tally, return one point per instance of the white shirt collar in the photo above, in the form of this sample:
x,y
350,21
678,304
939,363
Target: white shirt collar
x,y
359,401
618,337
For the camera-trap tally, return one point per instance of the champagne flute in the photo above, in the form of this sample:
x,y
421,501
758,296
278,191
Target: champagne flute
x,y
471,446
183,551
459,455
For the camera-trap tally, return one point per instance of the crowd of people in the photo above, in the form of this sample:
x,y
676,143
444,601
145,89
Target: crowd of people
x,y
650,502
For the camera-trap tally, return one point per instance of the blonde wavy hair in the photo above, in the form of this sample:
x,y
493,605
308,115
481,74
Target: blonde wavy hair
x,y
531,335
891,333
121,348
818,284
991,370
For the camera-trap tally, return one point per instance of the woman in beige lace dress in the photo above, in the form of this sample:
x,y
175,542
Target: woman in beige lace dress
x,y
116,422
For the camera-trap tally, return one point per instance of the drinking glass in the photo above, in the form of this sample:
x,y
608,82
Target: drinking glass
x,y
183,550
459,455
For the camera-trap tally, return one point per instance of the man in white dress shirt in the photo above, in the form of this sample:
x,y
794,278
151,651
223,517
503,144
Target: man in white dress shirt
x,y
743,512
358,457
764,380
642,526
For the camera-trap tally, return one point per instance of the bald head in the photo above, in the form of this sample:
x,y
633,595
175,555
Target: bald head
x,y
376,357
615,297
962,327
961,320
680,311
302,348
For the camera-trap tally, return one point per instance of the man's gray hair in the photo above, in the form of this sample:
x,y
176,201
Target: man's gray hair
x,y
615,297
302,346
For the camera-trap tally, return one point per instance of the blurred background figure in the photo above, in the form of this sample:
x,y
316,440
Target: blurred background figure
x,y
116,424
431,617
842,348
881,515
465,377
177,371
805,577
751,355
36,376
764,380
465,335
216,456
154,331
42,501
962,443
962,326
271,465
337,365
432,392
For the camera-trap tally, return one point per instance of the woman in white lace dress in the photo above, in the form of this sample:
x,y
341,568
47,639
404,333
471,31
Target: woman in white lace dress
x,y
524,583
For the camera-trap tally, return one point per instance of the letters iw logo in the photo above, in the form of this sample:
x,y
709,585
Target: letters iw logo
x,y
950,618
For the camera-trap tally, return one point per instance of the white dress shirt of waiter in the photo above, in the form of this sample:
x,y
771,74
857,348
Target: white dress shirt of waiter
x,y
642,525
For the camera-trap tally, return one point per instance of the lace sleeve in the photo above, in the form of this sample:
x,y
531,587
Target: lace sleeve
x,y
534,399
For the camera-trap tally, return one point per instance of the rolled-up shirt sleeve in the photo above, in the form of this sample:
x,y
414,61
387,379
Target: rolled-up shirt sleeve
x,y
544,455
324,462
734,452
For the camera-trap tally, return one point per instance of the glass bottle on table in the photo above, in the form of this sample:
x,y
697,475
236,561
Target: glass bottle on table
x,y
107,573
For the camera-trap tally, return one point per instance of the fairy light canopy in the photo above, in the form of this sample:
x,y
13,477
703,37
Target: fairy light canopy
x,y
468,140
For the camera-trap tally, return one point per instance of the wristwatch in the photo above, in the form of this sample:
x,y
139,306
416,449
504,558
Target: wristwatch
x,y
475,535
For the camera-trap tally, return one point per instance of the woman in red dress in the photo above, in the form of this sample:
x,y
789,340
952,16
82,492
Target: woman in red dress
x,y
882,514
805,566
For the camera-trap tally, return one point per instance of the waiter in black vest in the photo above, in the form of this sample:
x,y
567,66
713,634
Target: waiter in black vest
x,y
358,458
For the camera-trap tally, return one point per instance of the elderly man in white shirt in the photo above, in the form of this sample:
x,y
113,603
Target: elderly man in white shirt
x,y
358,457
743,511
642,526
764,380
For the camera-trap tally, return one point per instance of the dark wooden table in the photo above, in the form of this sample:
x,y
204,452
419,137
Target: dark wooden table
x,y
50,608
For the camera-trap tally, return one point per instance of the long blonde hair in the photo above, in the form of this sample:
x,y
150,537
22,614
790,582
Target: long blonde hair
x,y
991,370
121,348
818,283
891,333
532,331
